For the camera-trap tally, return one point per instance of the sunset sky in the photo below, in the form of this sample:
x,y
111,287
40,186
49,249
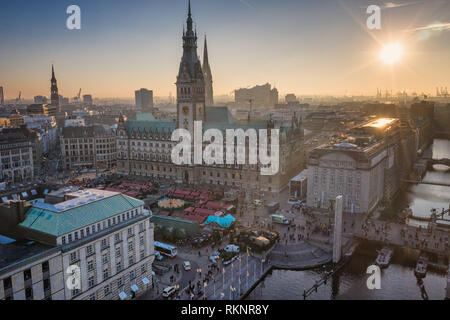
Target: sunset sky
x,y
300,46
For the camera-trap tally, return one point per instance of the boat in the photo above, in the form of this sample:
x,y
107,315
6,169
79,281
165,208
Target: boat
x,y
421,268
384,257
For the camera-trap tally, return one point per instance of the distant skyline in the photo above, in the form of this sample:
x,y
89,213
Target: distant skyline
x,y
299,46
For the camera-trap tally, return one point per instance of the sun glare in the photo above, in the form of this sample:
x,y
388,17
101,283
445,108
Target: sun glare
x,y
391,53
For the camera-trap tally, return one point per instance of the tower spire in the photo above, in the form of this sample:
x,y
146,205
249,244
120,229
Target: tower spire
x,y
207,75
205,53
54,96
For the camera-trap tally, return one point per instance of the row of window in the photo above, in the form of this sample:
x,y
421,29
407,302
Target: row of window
x,y
80,234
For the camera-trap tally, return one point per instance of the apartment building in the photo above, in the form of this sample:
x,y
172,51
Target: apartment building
x,y
99,241
88,147
16,154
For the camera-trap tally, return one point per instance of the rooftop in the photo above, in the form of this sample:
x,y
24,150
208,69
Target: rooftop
x,y
12,251
85,207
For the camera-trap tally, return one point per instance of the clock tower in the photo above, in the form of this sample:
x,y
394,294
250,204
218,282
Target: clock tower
x,y
190,82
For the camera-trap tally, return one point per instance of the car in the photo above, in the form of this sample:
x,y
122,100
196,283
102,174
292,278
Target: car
x,y
158,256
231,248
187,266
169,291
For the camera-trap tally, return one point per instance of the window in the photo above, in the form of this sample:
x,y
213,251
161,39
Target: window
x,y
130,232
119,266
132,275
117,237
92,296
119,282
73,256
89,250
105,258
143,269
130,260
45,266
130,246
29,293
7,283
142,255
90,265
105,274
75,292
91,282
141,240
63,240
103,243
107,290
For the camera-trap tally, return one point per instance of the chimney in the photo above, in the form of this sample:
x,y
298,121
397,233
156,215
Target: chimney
x,y
20,207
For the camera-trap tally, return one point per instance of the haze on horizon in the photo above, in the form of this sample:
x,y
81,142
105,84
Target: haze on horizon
x,y
299,46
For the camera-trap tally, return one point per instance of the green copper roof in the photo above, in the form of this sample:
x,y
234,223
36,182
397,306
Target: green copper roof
x,y
59,223
145,116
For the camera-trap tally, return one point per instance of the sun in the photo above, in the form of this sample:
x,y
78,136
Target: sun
x,y
391,53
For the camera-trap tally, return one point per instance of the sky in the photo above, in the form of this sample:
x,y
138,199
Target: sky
x,y
300,46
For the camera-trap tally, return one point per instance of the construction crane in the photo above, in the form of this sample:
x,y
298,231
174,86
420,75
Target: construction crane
x,y
19,97
78,97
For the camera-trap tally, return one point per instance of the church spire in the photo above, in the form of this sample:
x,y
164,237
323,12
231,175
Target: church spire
x,y
54,95
205,54
207,75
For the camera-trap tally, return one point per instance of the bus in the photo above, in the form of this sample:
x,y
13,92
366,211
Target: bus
x,y
166,249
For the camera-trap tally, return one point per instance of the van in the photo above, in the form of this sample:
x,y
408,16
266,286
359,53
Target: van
x,y
278,218
167,292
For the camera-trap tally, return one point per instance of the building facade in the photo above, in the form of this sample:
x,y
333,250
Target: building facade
x,y
263,96
144,145
366,167
106,237
2,96
16,147
88,147
144,99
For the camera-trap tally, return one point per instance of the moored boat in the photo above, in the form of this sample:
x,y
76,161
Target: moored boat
x,y
421,268
384,257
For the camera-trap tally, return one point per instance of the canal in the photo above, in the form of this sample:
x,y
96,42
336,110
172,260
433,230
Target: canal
x,y
422,198
398,280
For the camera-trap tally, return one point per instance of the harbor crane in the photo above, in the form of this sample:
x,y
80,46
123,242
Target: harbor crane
x,y
78,97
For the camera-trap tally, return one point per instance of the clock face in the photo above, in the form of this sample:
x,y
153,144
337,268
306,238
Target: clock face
x,y
185,110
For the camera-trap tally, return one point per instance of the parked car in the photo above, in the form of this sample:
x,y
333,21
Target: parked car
x,y
169,291
231,248
187,266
